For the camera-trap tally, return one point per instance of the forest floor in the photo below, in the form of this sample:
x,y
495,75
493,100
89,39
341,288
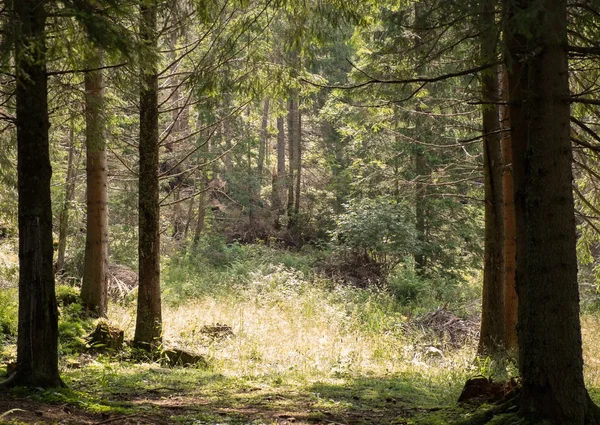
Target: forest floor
x,y
282,344
216,399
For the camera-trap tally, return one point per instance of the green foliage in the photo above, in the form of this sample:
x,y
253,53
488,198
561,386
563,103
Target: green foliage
x,y
377,229
8,313
74,324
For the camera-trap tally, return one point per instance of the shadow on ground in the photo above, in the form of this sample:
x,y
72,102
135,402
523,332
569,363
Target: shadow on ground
x,y
154,395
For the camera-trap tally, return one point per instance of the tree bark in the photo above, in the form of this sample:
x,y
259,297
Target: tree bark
x,y
420,209
421,165
179,117
148,329
510,243
298,143
291,121
37,341
492,311
550,352
95,272
63,226
201,217
279,179
264,141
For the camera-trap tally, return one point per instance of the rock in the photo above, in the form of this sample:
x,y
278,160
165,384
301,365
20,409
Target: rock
x,y
178,357
106,338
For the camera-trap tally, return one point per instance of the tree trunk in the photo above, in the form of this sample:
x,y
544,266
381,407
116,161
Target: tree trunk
x,y
421,166
550,352
37,341
95,272
291,121
264,141
279,180
201,217
492,311
420,210
298,143
63,226
148,327
179,117
510,242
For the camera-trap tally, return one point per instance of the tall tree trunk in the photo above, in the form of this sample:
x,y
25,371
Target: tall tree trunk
x,y
492,311
420,209
298,144
95,272
201,217
179,117
37,341
291,121
264,142
279,178
510,242
226,134
69,195
421,165
148,327
550,352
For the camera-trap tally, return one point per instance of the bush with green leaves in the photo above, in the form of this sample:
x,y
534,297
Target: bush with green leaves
x,y
8,312
375,230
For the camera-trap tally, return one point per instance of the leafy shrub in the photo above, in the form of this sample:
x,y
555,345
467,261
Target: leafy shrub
x,y
8,312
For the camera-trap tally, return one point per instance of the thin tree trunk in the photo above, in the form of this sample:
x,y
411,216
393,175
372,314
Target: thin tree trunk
x,y
421,166
298,143
279,179
264,141
179,124
37,341
291,119
550,351
69,195
510,243
492,311
228,146
190,215
420,209
201,217
148,329
95,273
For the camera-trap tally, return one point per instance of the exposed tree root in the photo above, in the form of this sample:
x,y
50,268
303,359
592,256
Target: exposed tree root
x,y
481,418
512,406
16,380
9,382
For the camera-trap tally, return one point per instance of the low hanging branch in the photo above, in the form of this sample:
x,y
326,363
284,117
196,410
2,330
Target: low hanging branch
x,y
419,80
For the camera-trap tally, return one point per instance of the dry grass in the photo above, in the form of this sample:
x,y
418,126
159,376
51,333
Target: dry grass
x,y
590,324
284,325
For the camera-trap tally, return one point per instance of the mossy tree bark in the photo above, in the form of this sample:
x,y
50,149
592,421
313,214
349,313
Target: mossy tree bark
x,y
37,341
550,352
95,273
148,328
492,311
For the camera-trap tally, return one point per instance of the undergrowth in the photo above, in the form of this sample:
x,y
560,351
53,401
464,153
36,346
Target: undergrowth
x,y
281,337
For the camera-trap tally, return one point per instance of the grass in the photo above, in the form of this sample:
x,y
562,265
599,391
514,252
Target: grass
x,y
300,346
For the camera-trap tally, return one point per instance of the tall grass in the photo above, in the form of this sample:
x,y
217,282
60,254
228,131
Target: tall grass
x,y
288,321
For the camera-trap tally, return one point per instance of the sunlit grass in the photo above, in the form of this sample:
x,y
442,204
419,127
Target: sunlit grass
x,y
307,329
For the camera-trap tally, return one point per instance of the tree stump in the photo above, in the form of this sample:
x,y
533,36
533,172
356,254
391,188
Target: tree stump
x,y
106,338
178,357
